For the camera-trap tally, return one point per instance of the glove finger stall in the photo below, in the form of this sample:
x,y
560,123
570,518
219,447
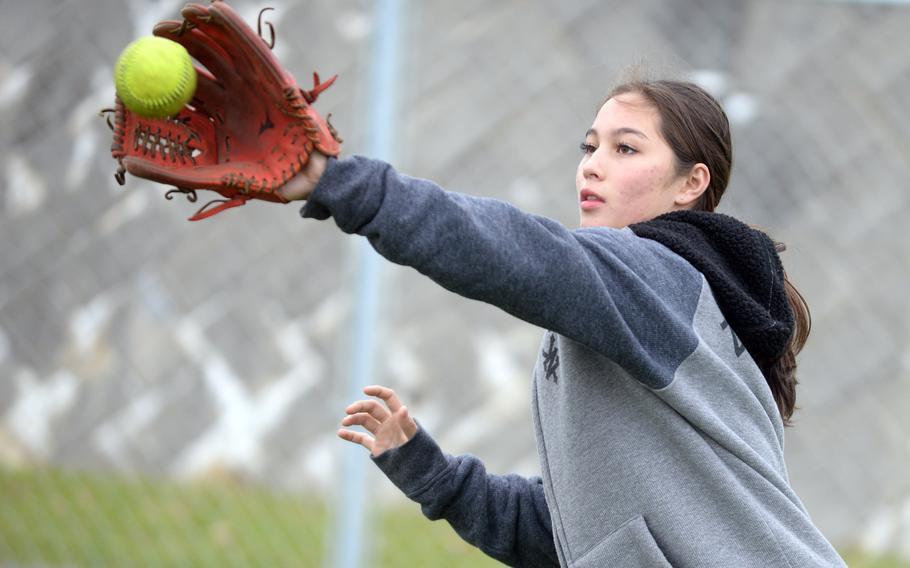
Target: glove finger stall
x,y
251,59
202,47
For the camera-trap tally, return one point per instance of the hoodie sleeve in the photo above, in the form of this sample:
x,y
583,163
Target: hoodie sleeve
x,y
591,285
505,516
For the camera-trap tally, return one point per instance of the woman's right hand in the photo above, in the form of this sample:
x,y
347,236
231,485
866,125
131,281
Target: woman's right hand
x,y
389,423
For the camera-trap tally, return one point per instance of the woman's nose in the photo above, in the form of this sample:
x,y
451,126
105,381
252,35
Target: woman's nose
x,y
592,170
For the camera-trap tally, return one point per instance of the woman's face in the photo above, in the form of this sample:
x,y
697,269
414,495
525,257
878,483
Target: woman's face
x,y
628,171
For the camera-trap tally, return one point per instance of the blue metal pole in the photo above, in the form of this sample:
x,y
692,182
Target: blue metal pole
x,y
356,509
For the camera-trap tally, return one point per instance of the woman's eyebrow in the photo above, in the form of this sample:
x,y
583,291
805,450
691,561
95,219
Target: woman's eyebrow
x,y
620,131
632,131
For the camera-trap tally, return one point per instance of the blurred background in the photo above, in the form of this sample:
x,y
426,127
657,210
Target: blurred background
x,y
170,391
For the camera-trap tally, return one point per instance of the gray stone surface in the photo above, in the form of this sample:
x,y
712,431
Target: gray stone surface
x,y
135,341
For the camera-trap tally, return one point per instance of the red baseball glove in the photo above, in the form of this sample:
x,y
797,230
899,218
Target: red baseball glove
x,y
248,129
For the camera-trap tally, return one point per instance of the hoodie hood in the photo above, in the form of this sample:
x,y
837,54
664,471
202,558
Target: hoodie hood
x,y
743,269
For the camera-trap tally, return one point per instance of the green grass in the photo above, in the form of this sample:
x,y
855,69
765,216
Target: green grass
x,y
60,518
53,517
857,559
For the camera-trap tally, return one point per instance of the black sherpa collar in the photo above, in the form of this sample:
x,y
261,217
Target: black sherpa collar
x,y
743,269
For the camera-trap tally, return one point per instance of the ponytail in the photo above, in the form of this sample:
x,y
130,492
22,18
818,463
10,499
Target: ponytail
x,y
781,373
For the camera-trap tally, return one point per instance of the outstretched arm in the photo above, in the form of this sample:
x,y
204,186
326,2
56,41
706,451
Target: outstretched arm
x,y
505,516
592,285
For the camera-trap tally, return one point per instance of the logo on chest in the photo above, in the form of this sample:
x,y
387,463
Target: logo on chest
x,y
738,347
550,355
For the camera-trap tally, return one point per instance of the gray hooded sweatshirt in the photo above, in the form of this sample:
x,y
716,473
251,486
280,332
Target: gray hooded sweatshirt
x,y
660,443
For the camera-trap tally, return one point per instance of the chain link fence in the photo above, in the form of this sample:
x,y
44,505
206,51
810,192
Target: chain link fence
x,y
170,392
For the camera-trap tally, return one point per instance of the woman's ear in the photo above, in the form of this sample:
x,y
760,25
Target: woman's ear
x,y
696,182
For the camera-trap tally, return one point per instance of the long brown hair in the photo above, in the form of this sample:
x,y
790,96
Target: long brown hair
x,y
696,127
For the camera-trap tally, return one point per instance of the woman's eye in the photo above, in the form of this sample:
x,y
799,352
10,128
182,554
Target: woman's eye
x,y
625,149
587,148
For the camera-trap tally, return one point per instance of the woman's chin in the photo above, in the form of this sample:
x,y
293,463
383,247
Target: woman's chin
x,y
590,220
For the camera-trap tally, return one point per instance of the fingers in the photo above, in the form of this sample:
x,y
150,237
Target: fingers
x,y
371,407
386,394
390,423
357,438
362,419
408,425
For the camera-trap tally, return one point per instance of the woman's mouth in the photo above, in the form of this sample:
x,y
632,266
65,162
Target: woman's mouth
x,y
590,200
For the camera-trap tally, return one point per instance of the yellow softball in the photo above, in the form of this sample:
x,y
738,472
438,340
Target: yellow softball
x,y
155,77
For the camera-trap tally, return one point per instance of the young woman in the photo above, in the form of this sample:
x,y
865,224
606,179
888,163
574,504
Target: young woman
x,y
667,371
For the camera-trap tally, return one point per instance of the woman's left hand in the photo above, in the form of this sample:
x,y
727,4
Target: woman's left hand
x,y
302,185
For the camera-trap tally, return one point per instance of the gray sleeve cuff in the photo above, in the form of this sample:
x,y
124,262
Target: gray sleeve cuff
x,y
413,466
351,191
314,207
